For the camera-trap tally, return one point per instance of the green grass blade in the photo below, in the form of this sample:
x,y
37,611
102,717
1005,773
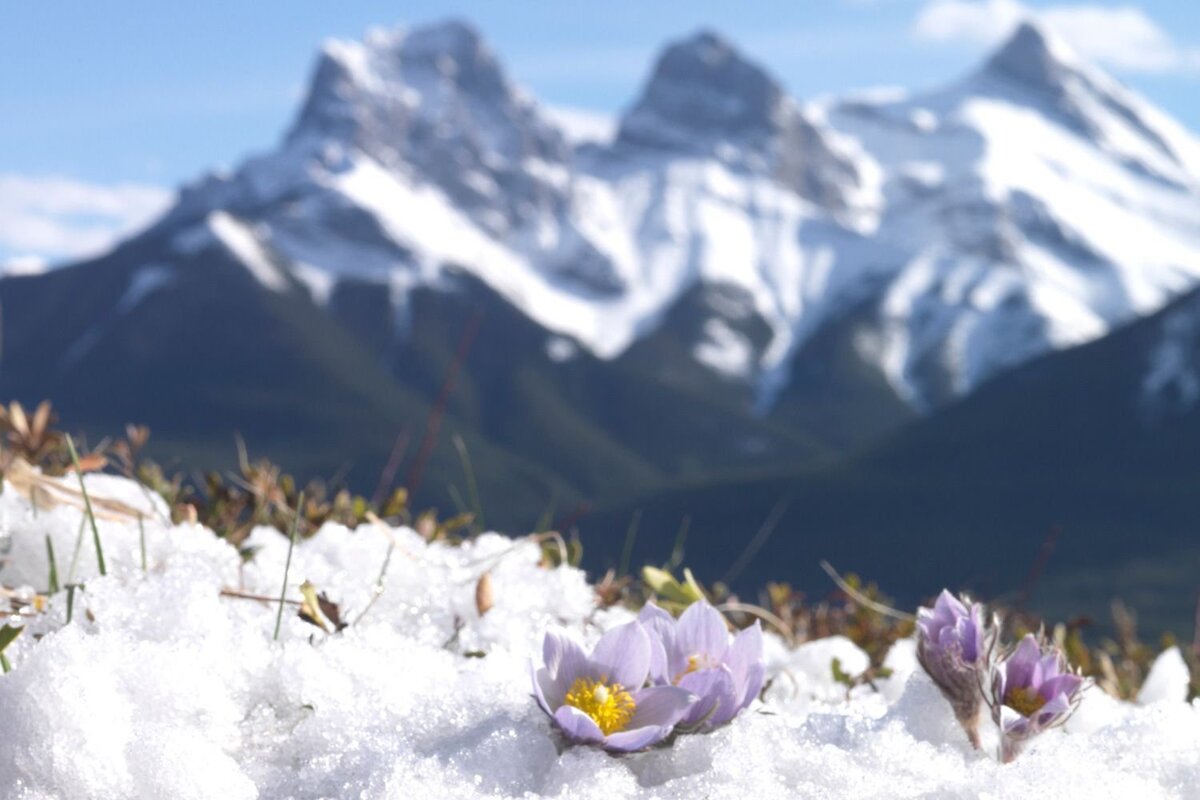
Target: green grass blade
x,y
7,635
472,485
630,537
52,583
87,503
287,567
77,551
142,539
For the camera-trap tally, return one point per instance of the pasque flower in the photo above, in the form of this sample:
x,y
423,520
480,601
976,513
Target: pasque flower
x,y
602,698
1032,690
697,653
954,648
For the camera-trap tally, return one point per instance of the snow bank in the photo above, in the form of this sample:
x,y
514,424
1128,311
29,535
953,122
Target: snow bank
x,y
161,687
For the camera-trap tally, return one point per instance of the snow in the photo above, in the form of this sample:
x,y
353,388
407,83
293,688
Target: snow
x,y
161,687
241,241
145,281
725,350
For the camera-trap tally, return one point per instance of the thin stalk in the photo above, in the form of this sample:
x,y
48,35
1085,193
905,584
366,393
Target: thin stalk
x,y
142,539
676,559
87,503
77,551
70,602
861,598
53,582
287,567
630,536
472,486
379,584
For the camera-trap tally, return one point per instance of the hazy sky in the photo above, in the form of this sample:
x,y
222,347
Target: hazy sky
x,y
104,106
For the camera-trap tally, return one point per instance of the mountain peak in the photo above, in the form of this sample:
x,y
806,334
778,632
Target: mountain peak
x,y
703,86
1034,55
392,93
452,37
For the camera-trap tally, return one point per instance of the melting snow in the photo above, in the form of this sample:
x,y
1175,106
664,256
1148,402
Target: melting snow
x,y
161,687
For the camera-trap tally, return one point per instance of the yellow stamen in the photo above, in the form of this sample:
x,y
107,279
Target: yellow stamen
x,y
608,704
1025,702
694,663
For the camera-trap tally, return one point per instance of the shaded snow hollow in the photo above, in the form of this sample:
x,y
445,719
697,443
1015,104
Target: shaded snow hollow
x,y
160,687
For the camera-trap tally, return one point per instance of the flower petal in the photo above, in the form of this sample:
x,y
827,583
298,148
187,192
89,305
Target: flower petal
x,y
1021,667
565,661
638,738
541,682
753,687
702,631
655,618
1061,685
745,652
660,705
623,656
661,627
578,726
718,700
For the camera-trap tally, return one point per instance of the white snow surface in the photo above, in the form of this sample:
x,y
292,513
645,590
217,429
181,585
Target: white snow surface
x,y
161,687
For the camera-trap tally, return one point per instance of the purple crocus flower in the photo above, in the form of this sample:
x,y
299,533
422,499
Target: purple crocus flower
x,y
1032,690
697,653
600,699
954,648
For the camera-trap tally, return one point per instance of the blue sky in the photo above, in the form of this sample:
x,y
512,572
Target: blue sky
x,y
106,106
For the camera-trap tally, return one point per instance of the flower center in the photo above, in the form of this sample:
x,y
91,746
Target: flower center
x,y
608,704
694,663
1025,702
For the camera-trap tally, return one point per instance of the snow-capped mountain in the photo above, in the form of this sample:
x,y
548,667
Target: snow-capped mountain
x,y
1037,204
734,277
1031,206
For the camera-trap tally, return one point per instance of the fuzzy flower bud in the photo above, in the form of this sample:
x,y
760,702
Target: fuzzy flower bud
x,y
953,647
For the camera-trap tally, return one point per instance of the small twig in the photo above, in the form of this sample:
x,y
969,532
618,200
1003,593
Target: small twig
x,y
388,475
433,422
379,583
564,555
761,613
87,503
861,598
1038,567
262,598
287,567
760,538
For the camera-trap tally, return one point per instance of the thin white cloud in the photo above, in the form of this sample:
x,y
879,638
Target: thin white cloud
x,y
53,217
1124,38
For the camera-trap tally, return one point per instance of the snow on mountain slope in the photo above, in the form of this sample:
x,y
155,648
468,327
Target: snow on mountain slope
x,y
1039,204
1031,206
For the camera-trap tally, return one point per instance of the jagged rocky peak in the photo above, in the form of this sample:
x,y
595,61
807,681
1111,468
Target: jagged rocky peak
x,y
703,87
434,104
400,89
1036,57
